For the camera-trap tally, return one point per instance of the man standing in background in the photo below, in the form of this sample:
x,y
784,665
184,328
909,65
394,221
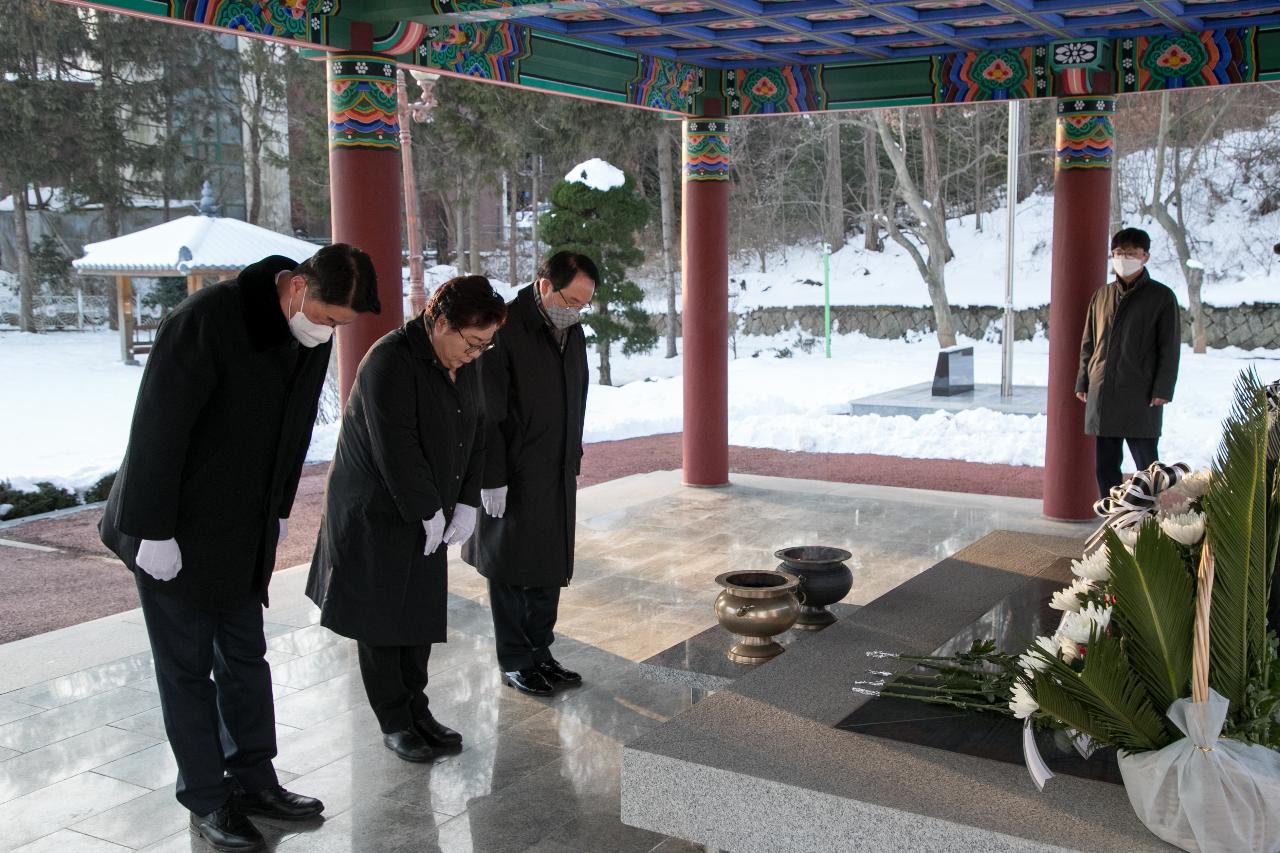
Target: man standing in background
x,y
1128,360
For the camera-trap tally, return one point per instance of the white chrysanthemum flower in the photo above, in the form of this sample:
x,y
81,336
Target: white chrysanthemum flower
x,y
1079,627
1194,485
1069,599
1068,649
1023,704
1031,662
1187,528
1128,537
1095,566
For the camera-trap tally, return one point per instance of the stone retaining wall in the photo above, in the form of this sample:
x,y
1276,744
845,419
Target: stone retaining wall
x,y
1245,326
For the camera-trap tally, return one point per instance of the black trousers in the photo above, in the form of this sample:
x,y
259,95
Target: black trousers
x,y
224,723
524,619
1110,453
395,680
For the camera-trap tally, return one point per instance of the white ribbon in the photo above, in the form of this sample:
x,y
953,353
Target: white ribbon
x,y
1040,772
1134,499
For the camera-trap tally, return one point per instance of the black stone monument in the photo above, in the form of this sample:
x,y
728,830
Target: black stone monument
x,y
954,373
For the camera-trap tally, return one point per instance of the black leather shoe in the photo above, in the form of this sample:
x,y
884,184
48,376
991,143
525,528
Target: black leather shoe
x,y
436,735
529,681
277,803
556,674
409,745
228,829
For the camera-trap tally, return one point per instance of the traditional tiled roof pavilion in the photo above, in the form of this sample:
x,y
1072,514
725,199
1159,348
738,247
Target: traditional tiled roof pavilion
x,y
707,60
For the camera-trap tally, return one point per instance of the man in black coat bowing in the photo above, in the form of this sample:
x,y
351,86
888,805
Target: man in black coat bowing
x,y
220,431
535,385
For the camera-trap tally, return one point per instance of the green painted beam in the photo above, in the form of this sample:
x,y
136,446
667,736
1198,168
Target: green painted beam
x,y
879,83
571,64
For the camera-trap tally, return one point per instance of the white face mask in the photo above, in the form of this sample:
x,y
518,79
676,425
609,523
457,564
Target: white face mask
x,y
309,334
1126,267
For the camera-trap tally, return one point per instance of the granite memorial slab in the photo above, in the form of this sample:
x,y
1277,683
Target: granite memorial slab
x,y
760,765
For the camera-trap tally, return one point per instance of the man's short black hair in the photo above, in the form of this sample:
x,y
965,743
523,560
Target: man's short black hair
x,y
341,274
563,267
1131,238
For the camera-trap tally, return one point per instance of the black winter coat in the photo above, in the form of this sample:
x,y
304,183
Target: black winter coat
x,y
1128,355
411,443
535,402
220,430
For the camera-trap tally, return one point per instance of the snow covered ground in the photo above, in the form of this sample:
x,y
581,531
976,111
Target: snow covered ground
x,y
67,403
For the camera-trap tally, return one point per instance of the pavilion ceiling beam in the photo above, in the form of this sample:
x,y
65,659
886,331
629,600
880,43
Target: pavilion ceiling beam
x,y
1029,13
1173,17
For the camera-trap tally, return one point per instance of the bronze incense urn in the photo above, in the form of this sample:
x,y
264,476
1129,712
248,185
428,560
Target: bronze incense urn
x,y
756,606
824,579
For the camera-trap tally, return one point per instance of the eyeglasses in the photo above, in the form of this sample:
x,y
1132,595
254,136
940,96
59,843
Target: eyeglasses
x,y
577,306
473,348
1135,254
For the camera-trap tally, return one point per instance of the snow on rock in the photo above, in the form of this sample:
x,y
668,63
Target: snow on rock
x,y
596,174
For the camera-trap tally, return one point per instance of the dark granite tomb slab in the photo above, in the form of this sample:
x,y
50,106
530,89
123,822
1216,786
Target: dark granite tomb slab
x,y
1013,622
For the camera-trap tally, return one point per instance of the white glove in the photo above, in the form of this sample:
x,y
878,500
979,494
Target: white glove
x,y
462,526
161,560
435,532
494,501
284,530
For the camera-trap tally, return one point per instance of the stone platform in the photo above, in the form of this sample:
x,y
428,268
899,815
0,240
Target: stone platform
x,y
700,662
758,767
917,400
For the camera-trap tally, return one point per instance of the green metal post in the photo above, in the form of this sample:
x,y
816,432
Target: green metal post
x,y
826,293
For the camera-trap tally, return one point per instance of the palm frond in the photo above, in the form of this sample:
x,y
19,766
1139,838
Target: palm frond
x,y
1237,515
1117,705
1155,612
1061,704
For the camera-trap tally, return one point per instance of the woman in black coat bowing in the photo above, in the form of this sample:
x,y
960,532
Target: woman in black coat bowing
x,y
405,483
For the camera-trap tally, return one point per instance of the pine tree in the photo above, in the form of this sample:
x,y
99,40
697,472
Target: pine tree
x,y
602,225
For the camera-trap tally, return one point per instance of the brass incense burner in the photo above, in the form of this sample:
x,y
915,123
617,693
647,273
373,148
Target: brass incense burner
x,y
756,606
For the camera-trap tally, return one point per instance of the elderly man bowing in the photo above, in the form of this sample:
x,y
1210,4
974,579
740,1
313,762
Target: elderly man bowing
x,y
220,430
535,384
405,483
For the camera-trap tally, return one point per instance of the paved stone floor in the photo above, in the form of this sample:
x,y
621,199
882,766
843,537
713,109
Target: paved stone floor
x,y
84,765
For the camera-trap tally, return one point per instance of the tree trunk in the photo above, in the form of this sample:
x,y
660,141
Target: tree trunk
x,y
1026,180
602,347
513,233
871,168
1176,226
535,172
1117,212
474,263
666,187
932,269
833,189
460,235
254,156
979,172
26,274
932,182
1195,277
936,284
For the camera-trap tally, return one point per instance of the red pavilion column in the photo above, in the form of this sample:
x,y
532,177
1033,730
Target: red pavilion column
x,y
1081,204
364,178
704,245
